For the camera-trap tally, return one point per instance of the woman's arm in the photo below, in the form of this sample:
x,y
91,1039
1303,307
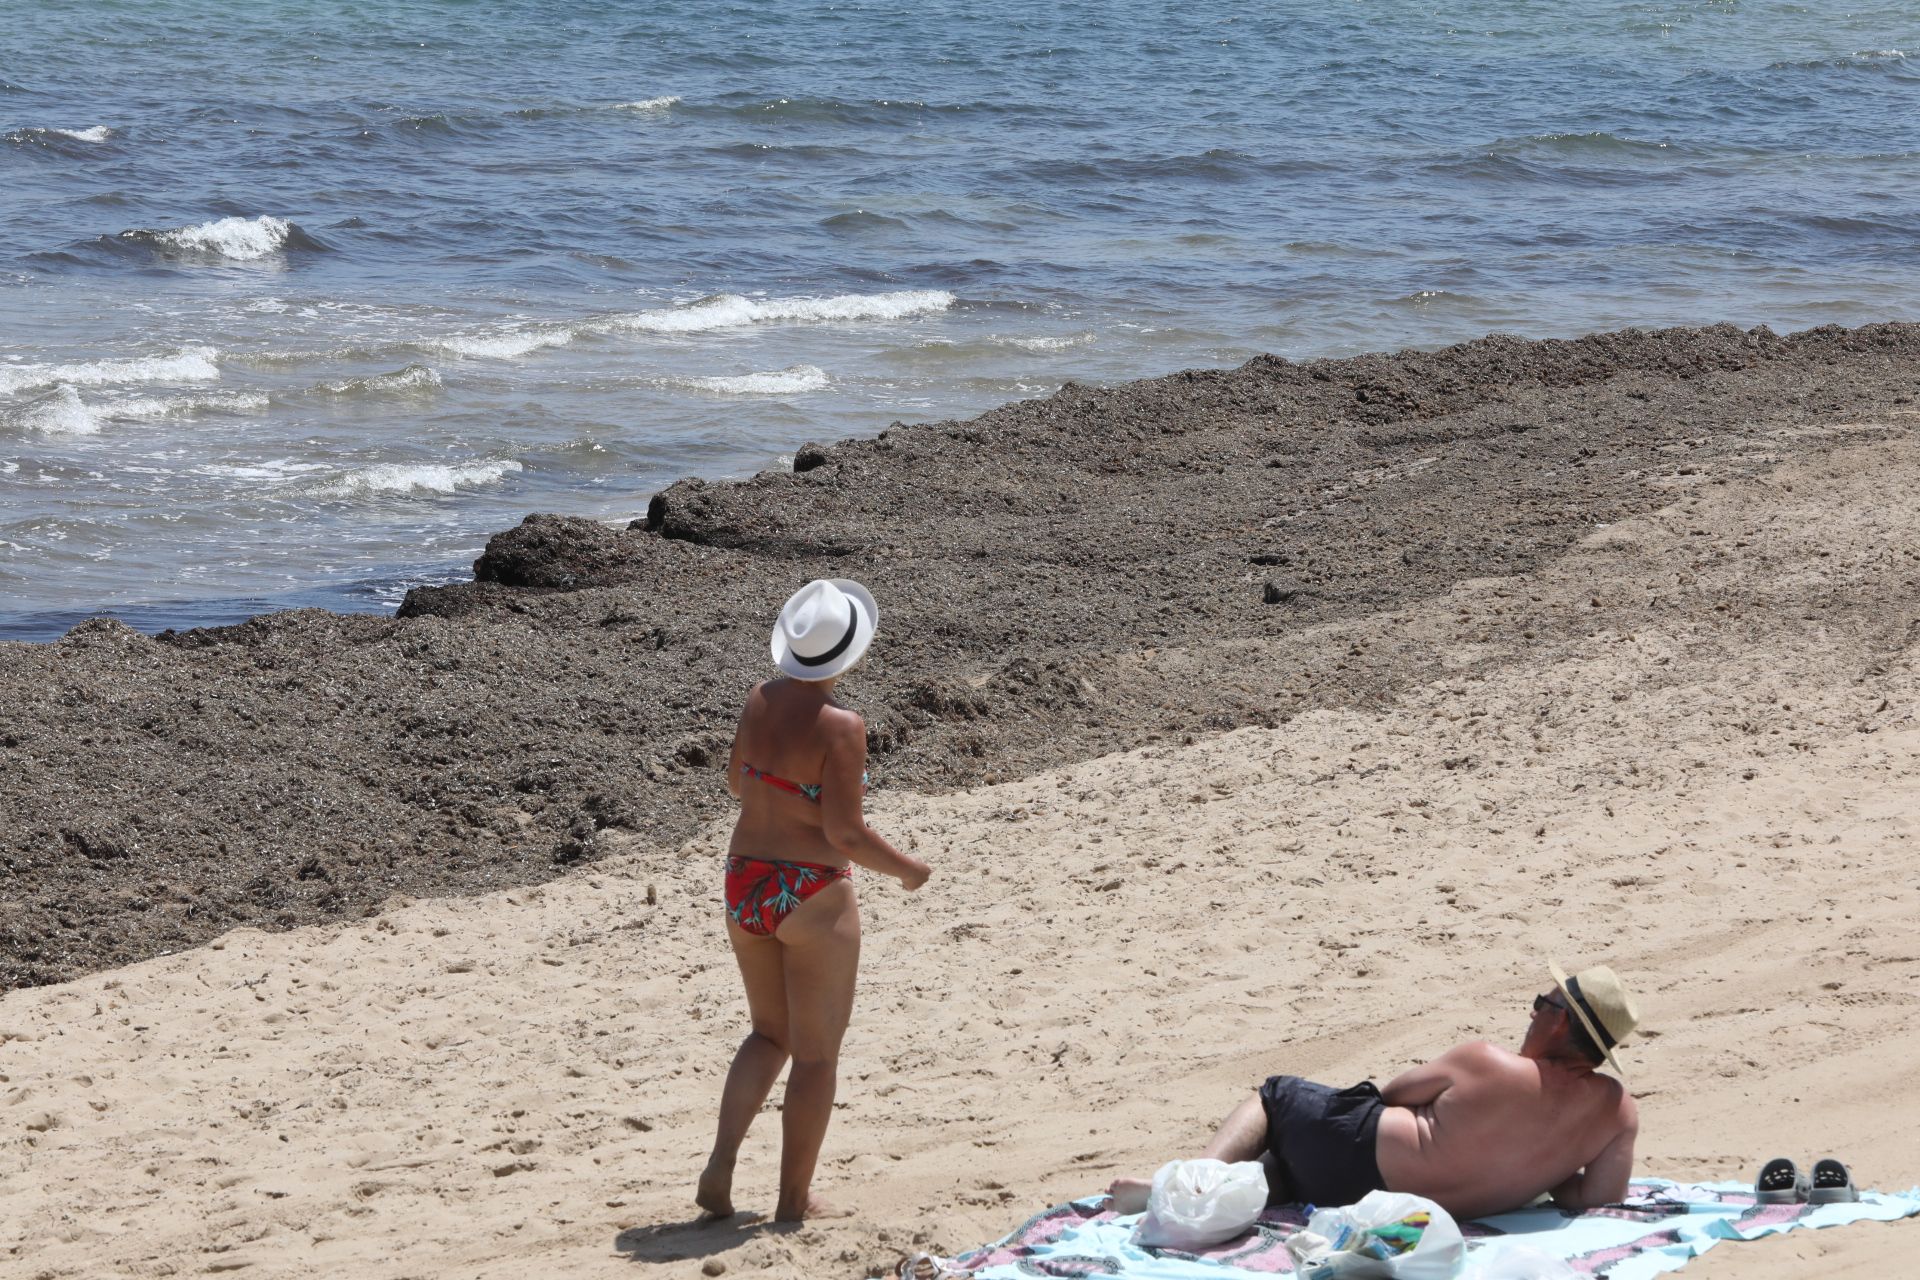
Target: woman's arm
x,y
733,752
842,819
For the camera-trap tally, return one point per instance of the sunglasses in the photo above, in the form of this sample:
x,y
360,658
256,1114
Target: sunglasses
x,y
1548,1002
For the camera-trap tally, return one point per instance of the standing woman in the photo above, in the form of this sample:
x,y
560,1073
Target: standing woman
x,y
798,768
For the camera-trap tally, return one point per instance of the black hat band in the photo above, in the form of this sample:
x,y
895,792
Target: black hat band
x,y
1593,1020
853,626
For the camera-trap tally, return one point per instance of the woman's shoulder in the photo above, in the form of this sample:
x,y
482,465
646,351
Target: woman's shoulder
x,y
837,720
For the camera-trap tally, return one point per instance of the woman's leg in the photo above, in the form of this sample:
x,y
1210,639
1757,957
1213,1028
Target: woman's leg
x,y
755,1067
822,956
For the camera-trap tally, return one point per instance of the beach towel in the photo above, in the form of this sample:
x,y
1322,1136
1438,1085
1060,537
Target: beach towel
x,y
1657,1228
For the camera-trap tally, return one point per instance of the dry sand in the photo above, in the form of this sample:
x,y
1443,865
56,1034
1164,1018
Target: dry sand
x,y
1690,747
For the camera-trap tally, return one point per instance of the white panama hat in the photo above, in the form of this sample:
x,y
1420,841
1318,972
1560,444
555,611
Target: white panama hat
x,y
824,628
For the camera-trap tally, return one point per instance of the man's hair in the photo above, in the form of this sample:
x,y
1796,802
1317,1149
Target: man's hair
x,y
1582,1042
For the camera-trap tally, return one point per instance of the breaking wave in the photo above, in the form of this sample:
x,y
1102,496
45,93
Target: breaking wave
x,y
719,311
783,382
646,104
728,311
189,364
59,412
38,133
509,345
416,478
413,379
235,239
151,408
1059,343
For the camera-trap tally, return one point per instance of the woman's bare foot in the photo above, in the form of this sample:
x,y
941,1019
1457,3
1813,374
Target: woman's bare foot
x,y
815,1208
715,1193
1129,1195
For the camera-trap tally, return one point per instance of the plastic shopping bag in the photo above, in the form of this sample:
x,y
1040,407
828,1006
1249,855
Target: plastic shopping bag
x,y
1197,1203
1386,1236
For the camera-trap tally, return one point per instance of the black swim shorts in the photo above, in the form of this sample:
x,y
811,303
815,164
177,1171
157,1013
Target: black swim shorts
x,y
1322,1140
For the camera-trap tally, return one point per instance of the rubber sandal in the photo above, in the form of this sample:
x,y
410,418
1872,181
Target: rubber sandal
x,y
927,1266
1832,1184
1780,1182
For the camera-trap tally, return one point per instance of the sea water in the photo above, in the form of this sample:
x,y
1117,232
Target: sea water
x,y
302,299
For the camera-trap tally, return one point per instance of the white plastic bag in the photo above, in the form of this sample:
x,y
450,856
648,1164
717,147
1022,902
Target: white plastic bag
x,y
1505,1260
1329,1247
1197,1203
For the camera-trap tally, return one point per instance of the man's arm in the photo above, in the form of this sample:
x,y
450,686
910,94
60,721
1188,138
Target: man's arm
x,y
1417,1086
1605,1179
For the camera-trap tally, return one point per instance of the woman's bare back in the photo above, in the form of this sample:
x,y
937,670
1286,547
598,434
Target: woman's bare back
x,y
786,733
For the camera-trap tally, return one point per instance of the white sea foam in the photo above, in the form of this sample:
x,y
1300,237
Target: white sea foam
x,y
721,311
646,104
506,346
278,469
415,377
728,311
1051,344
149,408
782,382
59,412
242,239
98,133
390,477
189,364
8,468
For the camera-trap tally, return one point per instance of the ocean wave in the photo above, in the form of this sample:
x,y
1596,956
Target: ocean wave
x,y
783,382
40,134
439,124
948,352
151,408
236,239
860,220
718,311
1598,143
1424,298
1052,344
729,310
787,151
647,104
1219,164
413,379
189,364
873,111
412,478
508,345
274,470
59,412
1880,60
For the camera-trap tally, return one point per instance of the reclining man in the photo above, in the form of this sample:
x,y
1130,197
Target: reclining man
x,y
1479,1130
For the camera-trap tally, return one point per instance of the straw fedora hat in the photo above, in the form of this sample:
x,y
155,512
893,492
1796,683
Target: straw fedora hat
x,y
824,628
1602,1003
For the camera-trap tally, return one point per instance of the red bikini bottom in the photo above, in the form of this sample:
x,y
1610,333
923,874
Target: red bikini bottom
x,y
761,892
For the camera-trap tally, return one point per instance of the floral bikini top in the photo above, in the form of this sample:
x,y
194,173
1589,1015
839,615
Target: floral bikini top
x,y
805,790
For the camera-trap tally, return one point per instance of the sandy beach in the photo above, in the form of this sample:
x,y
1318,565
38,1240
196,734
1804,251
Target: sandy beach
x,y
1685,740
